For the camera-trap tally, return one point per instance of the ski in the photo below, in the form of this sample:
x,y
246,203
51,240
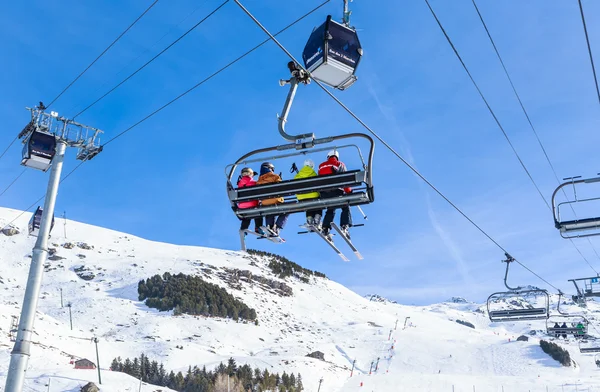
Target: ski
x,y
273,237
314,229
350,244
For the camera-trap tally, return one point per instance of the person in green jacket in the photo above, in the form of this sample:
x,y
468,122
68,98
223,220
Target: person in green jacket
x,y
313,217
581,328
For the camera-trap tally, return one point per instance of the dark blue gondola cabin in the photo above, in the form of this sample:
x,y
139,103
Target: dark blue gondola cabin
x,y
332,54
39,150
35,222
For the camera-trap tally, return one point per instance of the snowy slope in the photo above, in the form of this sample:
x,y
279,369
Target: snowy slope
x,y
433,353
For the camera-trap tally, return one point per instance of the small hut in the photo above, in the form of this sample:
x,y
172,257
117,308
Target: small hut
x,y
84,364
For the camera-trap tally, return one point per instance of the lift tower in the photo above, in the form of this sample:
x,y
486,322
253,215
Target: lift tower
x,y
45,138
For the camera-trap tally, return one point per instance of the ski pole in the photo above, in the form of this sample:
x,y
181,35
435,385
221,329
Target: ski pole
x,y
362,212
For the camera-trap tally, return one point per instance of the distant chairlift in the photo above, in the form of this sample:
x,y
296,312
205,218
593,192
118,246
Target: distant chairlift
x,y
332,54
589,345
35,222
579,227
502,315
590,288
575,324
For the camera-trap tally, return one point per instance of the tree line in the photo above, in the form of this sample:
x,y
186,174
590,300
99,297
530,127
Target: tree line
x,y
236,378
191,295
283,267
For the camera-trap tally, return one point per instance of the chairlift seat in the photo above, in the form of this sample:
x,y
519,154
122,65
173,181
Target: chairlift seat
x,y
332,54
566,331
39,150
589,349
288,189
578,224
518,314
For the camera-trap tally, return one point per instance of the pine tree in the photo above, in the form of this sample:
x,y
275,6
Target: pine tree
x,y
299,386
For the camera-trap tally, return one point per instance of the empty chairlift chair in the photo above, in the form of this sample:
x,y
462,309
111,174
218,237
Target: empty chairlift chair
x,y
589,345
35,222
586,288
522,314
332,54
575,226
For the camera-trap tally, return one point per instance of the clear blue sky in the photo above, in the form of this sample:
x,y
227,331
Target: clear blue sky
x,y
165,179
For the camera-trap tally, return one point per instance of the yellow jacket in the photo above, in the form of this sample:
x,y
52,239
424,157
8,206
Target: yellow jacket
x,y
306,172
269,178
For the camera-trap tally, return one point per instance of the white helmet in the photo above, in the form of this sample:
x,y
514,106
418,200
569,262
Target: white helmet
x,y
310,163
333,153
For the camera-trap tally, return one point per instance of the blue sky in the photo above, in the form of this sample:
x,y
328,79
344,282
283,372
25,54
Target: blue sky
x,y
165,180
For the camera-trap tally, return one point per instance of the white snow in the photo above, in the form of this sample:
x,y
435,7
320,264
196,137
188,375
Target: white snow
x,y
433,353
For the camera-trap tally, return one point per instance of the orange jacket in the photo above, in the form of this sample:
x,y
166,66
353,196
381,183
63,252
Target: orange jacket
x,y
270,178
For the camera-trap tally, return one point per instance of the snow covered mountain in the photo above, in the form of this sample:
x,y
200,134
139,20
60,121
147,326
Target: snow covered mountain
x,y
392,347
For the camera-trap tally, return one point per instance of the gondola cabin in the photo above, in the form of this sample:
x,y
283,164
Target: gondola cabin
x,y
39,150
36,221
332,54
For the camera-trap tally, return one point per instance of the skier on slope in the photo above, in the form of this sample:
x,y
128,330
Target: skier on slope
x,y
267,176
313,217
244,181
333,166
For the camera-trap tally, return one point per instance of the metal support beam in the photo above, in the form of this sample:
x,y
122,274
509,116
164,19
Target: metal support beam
x,y
21,351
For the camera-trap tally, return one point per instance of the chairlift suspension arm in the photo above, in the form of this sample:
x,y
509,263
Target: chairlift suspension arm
x,y
347,12
508,260
286,110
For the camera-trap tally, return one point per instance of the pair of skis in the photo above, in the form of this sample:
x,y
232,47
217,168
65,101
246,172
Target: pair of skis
x,y
269,235
315,229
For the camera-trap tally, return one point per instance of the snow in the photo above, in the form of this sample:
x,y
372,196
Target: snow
x,y
433,352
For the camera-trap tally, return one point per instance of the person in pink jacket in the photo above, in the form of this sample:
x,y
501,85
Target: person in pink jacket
x,y
244,181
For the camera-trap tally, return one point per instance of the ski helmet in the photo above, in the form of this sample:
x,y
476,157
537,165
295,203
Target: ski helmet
x,y
333,153
268,165
248,172
309,163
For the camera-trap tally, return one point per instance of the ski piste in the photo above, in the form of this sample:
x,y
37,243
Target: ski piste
x,y
277,240
350,244
314,229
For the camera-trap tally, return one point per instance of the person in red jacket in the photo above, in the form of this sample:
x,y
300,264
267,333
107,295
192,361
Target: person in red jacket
x,y
333,165
244,181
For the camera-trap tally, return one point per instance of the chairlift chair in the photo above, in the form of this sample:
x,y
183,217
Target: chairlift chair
x,y
359,180
569,329
590,288
39,150
332,54
589,345
578,227
35,222
505,315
